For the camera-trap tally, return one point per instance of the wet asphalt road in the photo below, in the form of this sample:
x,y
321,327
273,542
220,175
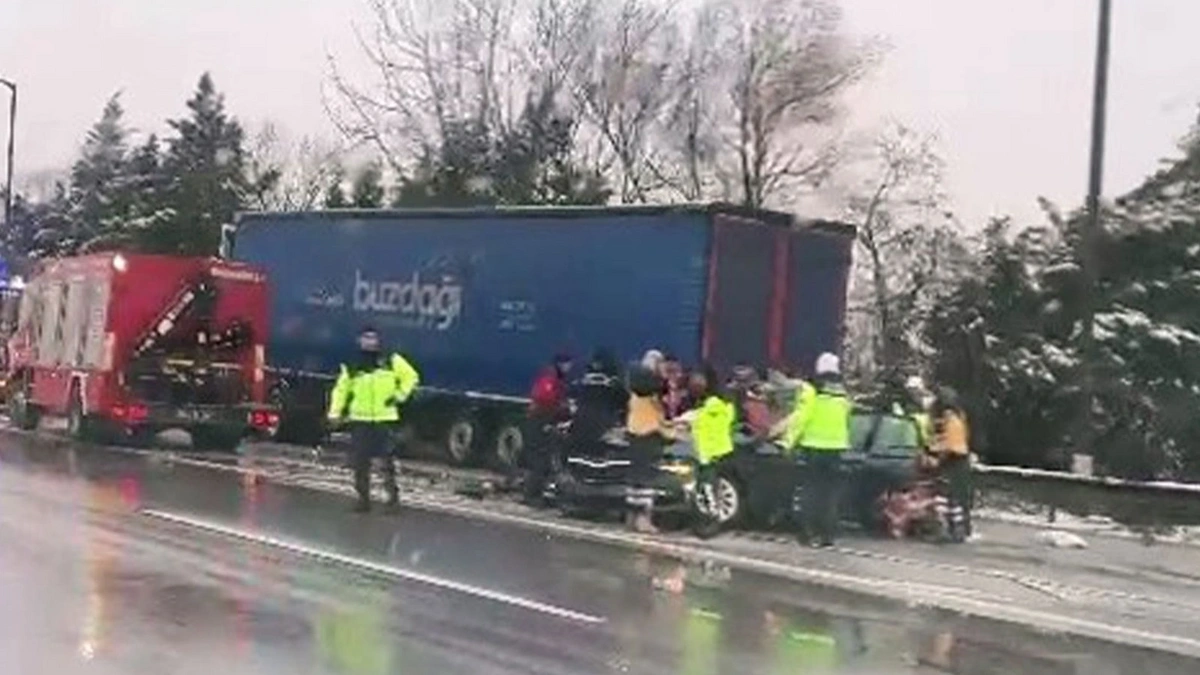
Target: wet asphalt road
x,y
111,563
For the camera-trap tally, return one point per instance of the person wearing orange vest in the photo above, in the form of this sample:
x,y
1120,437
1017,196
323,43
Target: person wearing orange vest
x,y
951,445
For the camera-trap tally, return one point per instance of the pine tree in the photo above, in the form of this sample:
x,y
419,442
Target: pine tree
x,y
531,163
96,191
335,194
205,177
367,191
1013,334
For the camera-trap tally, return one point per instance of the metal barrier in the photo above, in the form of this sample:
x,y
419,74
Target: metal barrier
x,y
1136,504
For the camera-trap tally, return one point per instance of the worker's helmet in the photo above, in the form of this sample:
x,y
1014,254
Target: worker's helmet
x,y
914,384
828,364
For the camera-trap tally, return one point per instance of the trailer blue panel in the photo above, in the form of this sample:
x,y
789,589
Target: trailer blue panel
x,y
480,301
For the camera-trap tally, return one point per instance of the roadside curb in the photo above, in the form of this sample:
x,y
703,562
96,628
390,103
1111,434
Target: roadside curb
x,y
911,593
430,470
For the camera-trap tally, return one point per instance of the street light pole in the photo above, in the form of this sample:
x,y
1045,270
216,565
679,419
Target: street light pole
x,y
12,134
1092,227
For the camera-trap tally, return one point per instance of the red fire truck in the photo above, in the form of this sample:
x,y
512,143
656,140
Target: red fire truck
x,y
125,346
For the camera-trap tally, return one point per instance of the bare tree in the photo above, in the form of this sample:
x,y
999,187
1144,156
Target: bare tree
x,y
299,170
689,135
786,66
438,65
625,92
907,245
731,100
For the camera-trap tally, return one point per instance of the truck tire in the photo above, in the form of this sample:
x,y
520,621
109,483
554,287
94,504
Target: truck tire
x,y
298,424
509,443
462,435
23,412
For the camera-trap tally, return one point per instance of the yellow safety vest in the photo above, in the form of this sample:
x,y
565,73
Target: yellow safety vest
x,y
373,395
712,429
924,428
824,423
800,408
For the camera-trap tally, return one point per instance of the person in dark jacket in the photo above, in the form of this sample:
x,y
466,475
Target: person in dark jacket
x,y
675,395
600,402
548,406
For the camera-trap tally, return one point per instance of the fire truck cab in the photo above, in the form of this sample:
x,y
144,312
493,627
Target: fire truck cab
x,y
127,345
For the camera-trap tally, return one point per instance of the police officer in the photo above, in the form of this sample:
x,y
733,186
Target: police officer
x,y
820,430
367,395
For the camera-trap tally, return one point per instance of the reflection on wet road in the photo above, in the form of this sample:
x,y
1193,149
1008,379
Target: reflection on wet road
x,y
119,564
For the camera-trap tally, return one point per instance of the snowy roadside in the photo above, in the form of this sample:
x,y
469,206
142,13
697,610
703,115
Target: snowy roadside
x,y
433,474
1013,512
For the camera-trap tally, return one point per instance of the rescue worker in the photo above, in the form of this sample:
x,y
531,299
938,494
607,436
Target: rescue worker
x,y
367,396
712,425
819,430
647,432
549,405
952,447
916,404
675,397
601,402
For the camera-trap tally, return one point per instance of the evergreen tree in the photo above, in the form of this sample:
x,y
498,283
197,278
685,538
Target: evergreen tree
x,y
1013,332
335,194
96,192
367,191
532,163
204,174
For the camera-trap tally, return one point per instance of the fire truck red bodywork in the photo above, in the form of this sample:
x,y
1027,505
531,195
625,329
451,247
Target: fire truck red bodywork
x,y
87,323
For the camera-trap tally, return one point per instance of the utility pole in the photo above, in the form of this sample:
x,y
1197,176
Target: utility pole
x,y
12,134
1091,230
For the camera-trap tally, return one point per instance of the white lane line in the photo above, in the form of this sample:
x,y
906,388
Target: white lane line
x,y
378,568
917,593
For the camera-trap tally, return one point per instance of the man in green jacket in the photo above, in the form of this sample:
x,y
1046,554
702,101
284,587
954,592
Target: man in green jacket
x,y
819,430
367,395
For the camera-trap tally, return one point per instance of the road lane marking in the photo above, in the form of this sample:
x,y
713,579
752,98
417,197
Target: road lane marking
x,y
913,593
378,568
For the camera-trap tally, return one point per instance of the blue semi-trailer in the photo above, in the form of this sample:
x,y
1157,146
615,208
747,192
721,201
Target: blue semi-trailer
x,y
480,299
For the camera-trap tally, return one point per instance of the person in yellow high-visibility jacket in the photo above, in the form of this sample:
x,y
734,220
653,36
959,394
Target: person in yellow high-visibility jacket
x,y
367,395
951,445
820,431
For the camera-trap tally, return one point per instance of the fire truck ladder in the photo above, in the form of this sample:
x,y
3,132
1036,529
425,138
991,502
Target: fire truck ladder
x,y
197,292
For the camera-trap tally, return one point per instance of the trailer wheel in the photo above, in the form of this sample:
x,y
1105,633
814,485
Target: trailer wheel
x,y
23,413
510,441
460,440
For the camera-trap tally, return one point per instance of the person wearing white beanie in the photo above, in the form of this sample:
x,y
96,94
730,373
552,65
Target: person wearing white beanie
x,y
820,433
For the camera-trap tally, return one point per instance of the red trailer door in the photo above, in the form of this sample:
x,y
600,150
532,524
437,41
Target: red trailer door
x,y
743,314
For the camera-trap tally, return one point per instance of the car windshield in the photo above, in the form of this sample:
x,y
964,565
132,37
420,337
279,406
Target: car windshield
x,y
895,434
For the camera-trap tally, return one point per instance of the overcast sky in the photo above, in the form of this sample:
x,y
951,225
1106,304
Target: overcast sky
x,y
1006,84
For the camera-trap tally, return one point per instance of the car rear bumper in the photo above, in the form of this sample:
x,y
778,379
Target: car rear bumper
x,y
250,419
614,495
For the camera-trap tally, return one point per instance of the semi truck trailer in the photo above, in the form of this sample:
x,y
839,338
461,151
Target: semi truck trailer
x,y
480,299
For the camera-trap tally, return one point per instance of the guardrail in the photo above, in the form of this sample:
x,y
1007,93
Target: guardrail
x,y
1136,504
